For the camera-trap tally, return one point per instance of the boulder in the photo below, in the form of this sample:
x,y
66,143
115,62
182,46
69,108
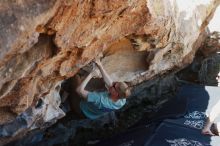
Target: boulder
x,y
43,43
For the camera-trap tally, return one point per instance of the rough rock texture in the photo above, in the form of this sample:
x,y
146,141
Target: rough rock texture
x,y
44,42
22,50
212,43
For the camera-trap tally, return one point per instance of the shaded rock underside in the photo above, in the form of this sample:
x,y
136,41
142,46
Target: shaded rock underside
x,y
45,42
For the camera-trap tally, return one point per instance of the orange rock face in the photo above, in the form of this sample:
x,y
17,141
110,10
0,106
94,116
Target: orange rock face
x,y
45,42
57,40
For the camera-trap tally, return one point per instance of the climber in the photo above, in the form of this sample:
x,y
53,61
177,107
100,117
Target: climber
x,y
96,104
210,127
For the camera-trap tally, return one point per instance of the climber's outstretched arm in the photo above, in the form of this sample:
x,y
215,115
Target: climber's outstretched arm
x,y
81,88
107,79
